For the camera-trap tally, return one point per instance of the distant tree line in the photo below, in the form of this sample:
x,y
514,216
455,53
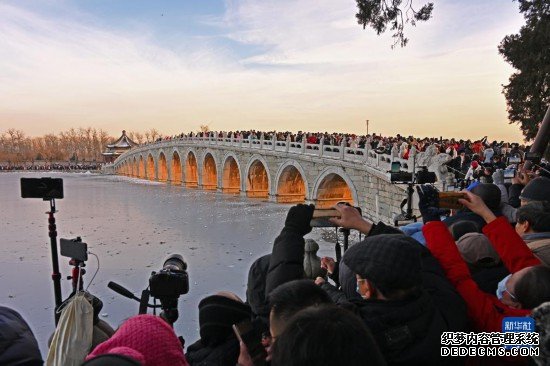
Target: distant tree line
x,y
74,145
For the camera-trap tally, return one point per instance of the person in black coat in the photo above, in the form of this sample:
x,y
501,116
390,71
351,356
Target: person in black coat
x,y
218,345
18,346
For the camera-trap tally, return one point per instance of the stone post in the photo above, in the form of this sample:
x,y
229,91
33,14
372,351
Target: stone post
x,y
322,146
304,140
343,149
288,141
274,141
262,140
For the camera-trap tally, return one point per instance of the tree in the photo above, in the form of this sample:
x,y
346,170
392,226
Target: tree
x,y
528,91
379,14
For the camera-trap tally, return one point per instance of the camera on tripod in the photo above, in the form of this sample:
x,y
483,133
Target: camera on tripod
x,y
422,176
166,285
172,280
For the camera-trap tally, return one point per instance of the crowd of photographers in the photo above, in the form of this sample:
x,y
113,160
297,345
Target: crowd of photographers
x,y
390,300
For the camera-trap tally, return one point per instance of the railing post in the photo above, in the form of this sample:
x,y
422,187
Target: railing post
x,y
321,146
304,143
262,140
240,141
343,149
274,141
288,140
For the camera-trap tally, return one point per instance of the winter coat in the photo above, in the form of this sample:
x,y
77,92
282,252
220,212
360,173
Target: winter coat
x,y
18,345
225,354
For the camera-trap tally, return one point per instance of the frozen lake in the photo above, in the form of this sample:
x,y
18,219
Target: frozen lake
x,y
132,225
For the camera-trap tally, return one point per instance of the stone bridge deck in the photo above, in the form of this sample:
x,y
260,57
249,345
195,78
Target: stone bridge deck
x,y
281,171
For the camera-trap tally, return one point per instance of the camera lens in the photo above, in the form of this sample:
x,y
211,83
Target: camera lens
x,y
175,262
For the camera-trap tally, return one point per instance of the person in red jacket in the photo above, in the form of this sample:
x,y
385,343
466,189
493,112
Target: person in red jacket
x,y
527,287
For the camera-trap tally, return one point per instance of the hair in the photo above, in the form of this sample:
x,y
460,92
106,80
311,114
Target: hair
x,y
326,335
463,227
489,193
537,214
291,297
533,288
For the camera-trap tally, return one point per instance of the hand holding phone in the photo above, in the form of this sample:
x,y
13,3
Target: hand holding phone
x,y
450,200
254,350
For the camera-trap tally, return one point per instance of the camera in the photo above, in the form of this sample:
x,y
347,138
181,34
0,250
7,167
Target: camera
x,y
171,281
45,188
423,176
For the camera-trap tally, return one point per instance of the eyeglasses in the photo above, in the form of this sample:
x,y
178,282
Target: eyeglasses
x,y
511,295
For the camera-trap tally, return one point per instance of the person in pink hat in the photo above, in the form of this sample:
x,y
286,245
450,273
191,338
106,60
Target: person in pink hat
x,y
147,339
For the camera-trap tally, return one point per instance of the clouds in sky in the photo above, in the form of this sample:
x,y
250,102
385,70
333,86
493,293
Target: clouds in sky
x,y
282,64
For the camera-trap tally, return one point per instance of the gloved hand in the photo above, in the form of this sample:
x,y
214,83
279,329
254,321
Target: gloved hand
x,y
299,217
428,203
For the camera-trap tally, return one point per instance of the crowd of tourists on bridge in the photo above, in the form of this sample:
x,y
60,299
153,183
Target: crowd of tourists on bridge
x,y
397,297
471,160
50,166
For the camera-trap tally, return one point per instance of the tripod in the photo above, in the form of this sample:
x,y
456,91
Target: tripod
x,y
56,276
406,215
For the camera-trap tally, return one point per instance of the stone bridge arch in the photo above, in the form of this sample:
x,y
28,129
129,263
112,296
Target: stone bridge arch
x,y
258,177
334,185
291,183
150,167
209,170
176,172
135,166
231,180
162,171
141,171
191,169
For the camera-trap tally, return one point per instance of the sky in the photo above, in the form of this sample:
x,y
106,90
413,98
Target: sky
x,y
252,64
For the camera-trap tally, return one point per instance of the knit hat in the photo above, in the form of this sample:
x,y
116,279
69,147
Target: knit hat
x,y
389,260
476,248
147,339
217,314
536,190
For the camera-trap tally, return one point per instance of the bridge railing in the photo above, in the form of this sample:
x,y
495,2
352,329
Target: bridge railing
x,y
342,152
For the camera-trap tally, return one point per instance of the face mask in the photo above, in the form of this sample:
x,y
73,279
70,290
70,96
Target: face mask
x,y
502,286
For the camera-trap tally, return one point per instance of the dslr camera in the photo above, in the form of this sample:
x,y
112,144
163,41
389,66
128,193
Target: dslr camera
x,y
171,281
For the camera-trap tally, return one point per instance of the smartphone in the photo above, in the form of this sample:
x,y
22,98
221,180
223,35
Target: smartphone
x,y
514,160
510,173
74,249
450,200
395,167
321,217
45,188
246,333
